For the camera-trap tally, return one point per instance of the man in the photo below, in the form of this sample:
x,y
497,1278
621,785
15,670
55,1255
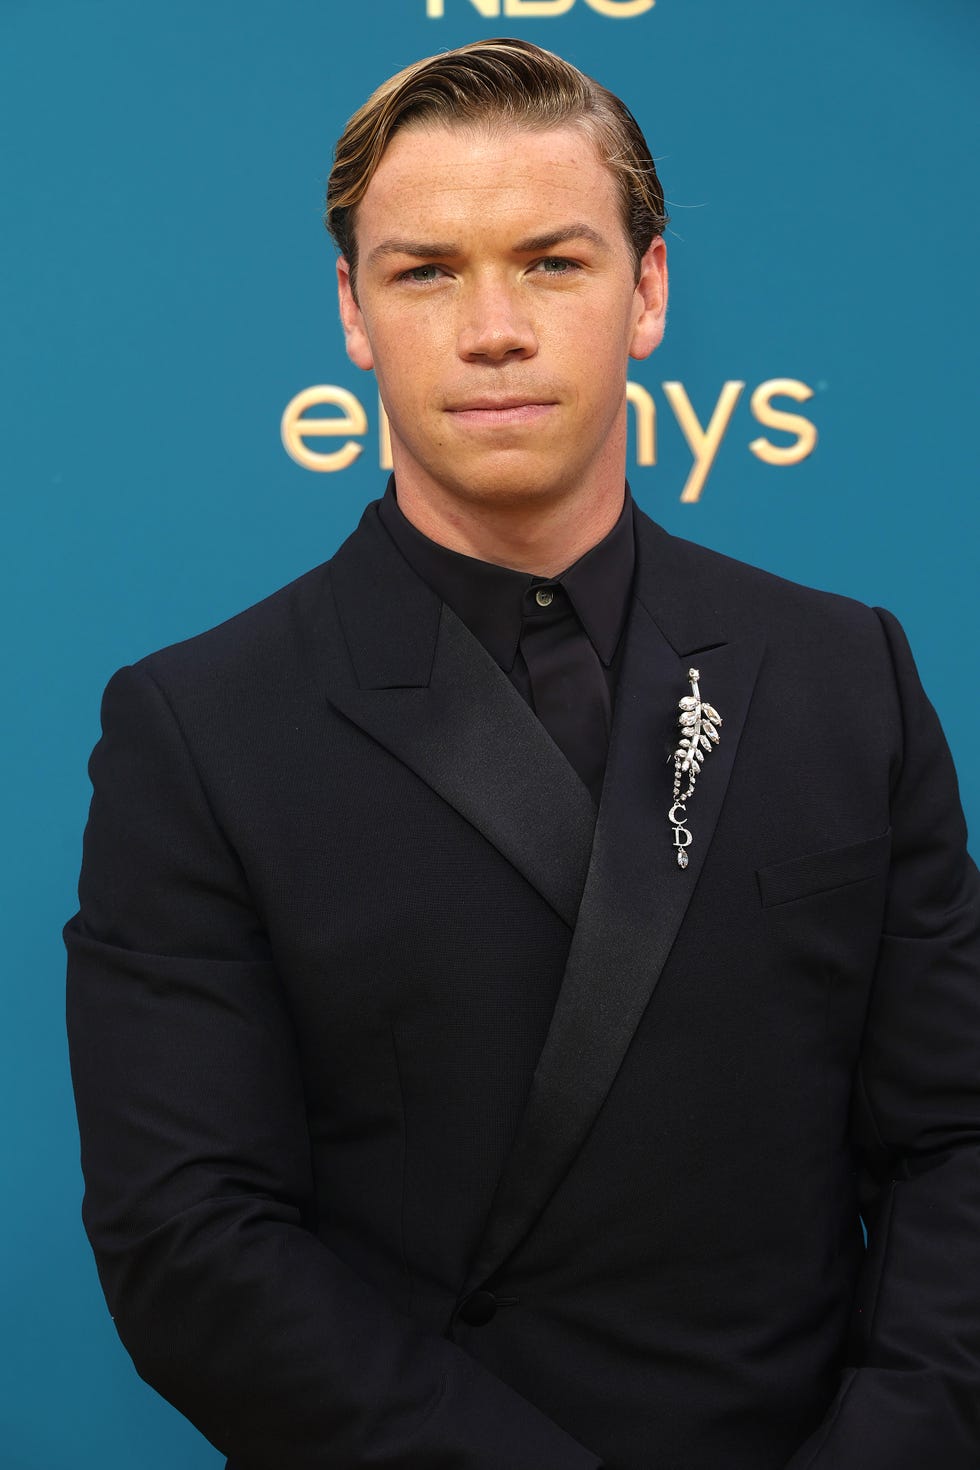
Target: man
x,y
513,959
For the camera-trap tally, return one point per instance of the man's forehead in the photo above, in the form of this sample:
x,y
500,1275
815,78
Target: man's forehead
x,y
569,145
434,165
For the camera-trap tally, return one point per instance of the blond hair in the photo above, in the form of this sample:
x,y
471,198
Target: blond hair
x,y
502,81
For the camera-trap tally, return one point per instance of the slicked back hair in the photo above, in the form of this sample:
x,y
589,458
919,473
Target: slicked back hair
x,y
502,82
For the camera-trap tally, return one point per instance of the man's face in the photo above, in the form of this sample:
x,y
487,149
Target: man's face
x,y
497,304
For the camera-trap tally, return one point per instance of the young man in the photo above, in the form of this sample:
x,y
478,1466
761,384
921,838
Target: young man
x,y
513,958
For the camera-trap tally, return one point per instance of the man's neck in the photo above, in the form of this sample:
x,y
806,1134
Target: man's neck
x,y
543,538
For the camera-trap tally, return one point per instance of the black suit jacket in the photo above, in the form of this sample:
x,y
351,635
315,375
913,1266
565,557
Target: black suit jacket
x,y
428,1121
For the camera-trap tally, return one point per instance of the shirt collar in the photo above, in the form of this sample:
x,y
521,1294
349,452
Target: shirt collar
x,y
490,599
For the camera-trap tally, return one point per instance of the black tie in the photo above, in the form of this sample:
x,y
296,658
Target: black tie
x,y
569,690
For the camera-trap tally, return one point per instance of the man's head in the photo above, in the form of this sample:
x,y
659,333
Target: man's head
x,y
502,82
505,219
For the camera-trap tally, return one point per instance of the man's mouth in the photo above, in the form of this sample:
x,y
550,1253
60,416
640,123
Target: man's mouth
x,y
491,411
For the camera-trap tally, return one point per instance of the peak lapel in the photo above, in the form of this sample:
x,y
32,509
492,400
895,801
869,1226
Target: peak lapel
x,y
636,896
428,691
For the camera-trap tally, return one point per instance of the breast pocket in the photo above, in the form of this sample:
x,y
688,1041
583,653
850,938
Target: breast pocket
x,y
819,872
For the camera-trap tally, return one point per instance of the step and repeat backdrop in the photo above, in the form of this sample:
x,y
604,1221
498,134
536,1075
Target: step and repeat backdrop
x,y
183,433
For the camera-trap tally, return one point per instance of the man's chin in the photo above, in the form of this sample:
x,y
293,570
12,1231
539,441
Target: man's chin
x,y
513,485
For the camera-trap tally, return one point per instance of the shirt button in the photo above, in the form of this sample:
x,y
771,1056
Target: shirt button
x,y
544,597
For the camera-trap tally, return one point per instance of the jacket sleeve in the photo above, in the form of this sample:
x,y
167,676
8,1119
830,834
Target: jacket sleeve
x,y
911,1395
199,1196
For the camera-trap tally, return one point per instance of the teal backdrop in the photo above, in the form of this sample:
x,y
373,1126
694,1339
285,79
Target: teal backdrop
x,y
167,291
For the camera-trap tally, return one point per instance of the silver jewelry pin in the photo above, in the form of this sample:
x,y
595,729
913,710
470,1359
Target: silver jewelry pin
x,y
698,723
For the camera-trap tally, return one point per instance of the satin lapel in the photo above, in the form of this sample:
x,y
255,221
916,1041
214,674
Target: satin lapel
x,y
428,691
635,896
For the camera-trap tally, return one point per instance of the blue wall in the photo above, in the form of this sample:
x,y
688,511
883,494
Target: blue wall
x,y
167,289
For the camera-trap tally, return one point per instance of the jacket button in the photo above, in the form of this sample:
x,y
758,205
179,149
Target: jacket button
x,y
479,1308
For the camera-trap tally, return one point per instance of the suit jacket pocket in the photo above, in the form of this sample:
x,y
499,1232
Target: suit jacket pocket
x,y
818,872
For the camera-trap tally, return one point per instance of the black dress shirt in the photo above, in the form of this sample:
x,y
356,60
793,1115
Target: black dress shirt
x,y
556,638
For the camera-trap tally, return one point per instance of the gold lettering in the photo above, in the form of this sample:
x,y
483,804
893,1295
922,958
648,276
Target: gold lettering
x,y
614,9
646,423
621,9
537,7
703,443
294,428
436,9
789,423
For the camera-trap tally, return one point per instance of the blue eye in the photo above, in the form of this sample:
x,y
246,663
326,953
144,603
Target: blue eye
x,y
421,273
557,265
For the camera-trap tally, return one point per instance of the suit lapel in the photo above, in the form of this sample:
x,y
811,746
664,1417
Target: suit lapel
x,y
428,691
635,895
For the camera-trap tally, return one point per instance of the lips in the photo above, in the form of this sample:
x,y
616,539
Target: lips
x,y
490,411
489,401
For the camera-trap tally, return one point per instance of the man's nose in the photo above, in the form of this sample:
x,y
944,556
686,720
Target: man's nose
x,y
494,324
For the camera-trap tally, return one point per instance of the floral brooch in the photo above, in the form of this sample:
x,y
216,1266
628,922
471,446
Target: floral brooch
x,y
698,723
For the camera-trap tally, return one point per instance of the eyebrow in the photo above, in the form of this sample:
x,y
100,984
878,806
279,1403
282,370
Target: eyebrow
x,y
438,249
424,249
575,231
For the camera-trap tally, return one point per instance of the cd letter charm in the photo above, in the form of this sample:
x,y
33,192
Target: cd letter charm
x,y
698,723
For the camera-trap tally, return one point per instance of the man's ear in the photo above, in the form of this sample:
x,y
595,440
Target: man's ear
x,y
355,332
650,301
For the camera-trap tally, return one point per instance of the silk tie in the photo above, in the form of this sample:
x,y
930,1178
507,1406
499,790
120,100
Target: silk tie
x,y
569,691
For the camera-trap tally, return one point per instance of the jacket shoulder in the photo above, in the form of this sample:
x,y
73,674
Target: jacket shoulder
x,y
748,600
259,647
